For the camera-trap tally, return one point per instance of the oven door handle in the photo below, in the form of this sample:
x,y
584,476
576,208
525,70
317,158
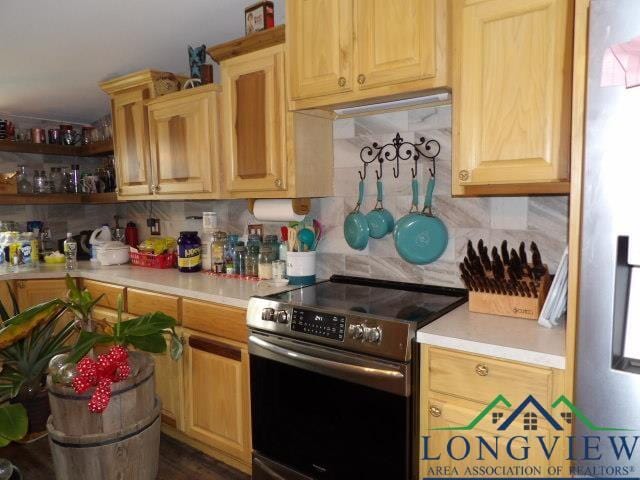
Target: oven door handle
x,y
381,378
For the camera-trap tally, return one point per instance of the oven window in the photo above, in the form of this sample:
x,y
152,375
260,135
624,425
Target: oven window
x,y
328,428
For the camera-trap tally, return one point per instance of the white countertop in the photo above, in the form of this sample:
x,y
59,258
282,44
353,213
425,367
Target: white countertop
x,y
199,285
497,336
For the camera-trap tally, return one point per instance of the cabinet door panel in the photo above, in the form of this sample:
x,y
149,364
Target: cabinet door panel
x,y
320,43
131,142
512,101
183,147
254,121
217,409
395,41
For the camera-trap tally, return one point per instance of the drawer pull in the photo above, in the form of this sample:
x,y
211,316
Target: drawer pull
x,y
361,79
482,370
215,348
463,175
434,411
342,82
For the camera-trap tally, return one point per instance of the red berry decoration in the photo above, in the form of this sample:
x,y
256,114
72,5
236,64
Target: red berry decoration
x,y
118,354
122,372
106,367
88,368
101,396
81,384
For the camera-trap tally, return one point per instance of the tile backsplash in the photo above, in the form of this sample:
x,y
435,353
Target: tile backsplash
x,y
541,219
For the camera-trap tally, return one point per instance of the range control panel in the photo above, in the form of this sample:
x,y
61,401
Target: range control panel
x,y
318,324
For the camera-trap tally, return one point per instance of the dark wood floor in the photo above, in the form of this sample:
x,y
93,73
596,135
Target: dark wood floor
x,y
177,462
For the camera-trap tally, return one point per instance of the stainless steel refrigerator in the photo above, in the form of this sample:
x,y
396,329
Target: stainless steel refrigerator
x,y
608,347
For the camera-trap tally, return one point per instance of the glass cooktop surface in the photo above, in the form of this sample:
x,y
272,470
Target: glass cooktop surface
x,y
403,301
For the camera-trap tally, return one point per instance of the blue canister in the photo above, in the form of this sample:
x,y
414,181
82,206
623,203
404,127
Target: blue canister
x,y
189,252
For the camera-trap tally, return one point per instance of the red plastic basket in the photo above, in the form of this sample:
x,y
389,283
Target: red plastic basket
x,y
141,259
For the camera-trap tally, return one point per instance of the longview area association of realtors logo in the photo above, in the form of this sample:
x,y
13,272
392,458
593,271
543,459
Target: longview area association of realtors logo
x,y
536,445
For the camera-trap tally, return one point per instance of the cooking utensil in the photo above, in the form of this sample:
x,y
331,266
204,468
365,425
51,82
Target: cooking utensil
x,y
306,238
356,227
284,232
421,238
317,230
292,239
380,219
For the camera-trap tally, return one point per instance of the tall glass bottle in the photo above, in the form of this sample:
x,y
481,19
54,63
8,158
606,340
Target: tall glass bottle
x,y
70,252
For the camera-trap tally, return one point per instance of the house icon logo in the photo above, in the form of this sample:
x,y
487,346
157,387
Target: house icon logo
x,y
533,415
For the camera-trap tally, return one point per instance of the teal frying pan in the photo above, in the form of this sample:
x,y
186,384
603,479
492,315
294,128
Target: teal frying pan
x,y
356,227
380,219
421,237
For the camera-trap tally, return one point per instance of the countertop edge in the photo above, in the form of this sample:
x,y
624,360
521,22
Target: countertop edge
x,y
499,351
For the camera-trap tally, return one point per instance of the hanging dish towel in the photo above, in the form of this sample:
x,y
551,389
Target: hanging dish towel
x,y
621,64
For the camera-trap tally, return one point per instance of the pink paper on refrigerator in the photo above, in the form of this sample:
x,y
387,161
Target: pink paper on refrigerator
x,y
621,64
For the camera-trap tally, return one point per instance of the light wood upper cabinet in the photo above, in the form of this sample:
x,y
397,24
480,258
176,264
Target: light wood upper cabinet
x,y
268,151
130,142
183,129
511,92
345,52
395,41
254,122
320,46
217,405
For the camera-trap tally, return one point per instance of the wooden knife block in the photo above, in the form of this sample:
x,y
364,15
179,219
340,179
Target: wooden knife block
x,y
511,305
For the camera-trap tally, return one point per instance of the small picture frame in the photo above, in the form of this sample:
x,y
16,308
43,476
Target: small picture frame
x,y
258,17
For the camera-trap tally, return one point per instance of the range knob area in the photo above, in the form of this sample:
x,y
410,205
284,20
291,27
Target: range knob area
x,y
267,314
372,335
282,316
356,331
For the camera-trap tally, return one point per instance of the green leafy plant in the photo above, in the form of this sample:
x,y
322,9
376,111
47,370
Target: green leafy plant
x,y
34,337
146,333
13,423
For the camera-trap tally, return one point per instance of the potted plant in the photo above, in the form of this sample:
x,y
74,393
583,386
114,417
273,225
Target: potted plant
x,y
13,426
28,341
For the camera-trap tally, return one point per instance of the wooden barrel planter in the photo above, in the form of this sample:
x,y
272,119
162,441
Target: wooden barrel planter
x,y
121,443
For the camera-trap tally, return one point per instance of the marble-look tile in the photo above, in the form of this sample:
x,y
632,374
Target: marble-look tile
x,y
462,212
441,273
386,123
509,213
549,214
430,118
394,268
358,265
344,128
461,237
328,264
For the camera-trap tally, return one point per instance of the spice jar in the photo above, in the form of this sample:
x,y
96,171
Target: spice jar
x,y
189,252
265,271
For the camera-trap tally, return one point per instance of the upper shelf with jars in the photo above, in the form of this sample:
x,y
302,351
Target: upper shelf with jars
x,y
57,140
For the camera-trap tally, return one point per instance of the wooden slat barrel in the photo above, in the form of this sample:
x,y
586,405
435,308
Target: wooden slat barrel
x,y
130,454
131,401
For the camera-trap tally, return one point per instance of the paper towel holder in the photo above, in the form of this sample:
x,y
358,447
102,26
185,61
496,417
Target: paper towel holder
x,y
301,206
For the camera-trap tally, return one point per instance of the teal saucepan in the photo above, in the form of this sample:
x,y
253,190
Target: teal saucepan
x,y
421,237
379,219
356,227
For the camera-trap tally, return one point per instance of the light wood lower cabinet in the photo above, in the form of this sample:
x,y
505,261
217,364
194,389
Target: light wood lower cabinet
x,y
465,398
33,292
216,393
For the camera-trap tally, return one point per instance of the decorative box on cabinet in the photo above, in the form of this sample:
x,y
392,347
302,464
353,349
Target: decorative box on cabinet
x,y
269,152
357,51
511,96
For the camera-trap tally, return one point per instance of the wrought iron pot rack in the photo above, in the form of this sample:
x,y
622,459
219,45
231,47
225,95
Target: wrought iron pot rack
x,y
398,150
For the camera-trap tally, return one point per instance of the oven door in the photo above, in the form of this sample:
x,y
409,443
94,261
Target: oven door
x,y
323,413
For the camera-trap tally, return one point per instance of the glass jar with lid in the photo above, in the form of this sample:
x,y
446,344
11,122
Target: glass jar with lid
x,y
22,180
218,260
253,260
265,271
240,259
230,253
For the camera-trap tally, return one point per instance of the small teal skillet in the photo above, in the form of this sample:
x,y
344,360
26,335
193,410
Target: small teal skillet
x,y
380,219
421,237
356,227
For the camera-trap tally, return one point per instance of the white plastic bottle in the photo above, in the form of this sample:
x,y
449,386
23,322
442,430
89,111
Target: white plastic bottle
x,y
71,252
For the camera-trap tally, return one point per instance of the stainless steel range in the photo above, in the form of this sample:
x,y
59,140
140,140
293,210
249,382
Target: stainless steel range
x,y
334,378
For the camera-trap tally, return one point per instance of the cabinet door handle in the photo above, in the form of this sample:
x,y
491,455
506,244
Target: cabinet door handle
x,y
463,175
482,370
342,82
361,79
216,348
434,411
278,183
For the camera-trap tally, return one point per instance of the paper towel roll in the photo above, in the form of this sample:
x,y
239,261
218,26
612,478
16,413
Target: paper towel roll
x,y
275,210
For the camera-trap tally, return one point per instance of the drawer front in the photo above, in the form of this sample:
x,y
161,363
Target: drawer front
x,y
215,319
110,292
481,379
140,302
